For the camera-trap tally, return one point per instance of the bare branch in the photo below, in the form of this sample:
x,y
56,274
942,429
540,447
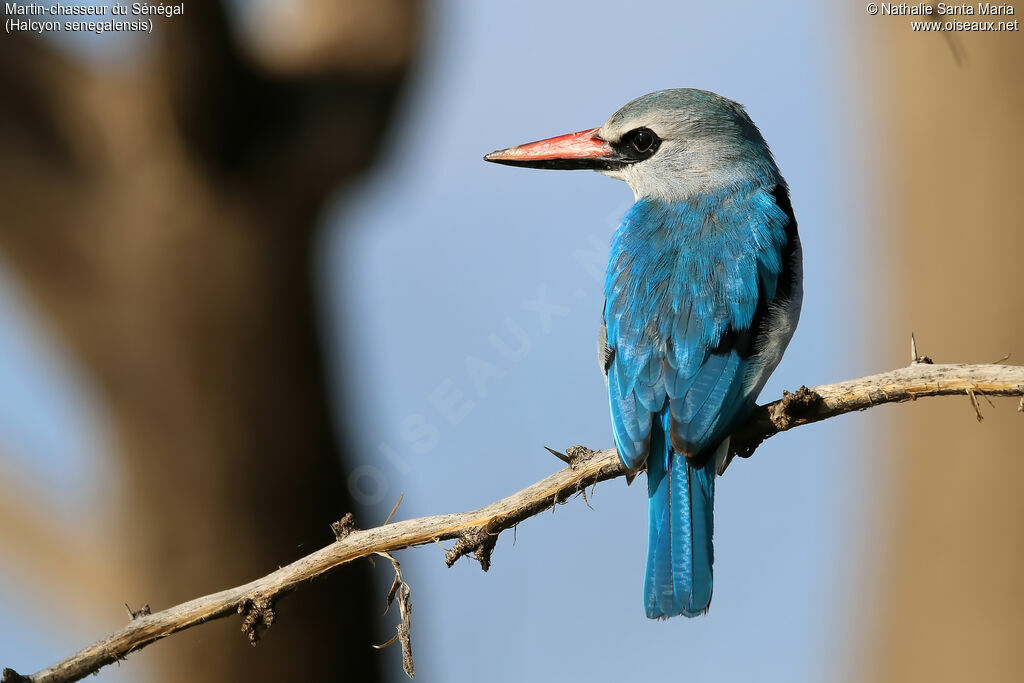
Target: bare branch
x,y
477,531
918,380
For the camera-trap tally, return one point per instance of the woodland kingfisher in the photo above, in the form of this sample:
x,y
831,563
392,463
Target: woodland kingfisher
x,y
702,295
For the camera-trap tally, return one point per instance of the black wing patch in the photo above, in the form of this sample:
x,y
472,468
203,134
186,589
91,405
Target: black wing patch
x,y
605,353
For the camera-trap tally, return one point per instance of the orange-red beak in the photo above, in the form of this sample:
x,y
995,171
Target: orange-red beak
x,y
582,150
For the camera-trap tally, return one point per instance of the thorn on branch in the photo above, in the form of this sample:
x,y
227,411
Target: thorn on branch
x,y
573,456
401,590
143,611
394,509
258,616
794,407
974,404
914,358
478,541
561,456
344,526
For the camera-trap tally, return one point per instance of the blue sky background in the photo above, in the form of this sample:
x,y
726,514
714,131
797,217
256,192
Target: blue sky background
x,y
425,261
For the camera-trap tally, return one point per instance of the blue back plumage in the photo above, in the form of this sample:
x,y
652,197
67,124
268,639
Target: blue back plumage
x,y
683,285
685,282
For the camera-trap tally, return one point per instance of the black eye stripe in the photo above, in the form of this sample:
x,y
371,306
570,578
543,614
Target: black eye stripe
x,y
637,145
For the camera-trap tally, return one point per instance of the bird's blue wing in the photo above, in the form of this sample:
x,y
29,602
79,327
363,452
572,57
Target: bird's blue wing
x,y
684,286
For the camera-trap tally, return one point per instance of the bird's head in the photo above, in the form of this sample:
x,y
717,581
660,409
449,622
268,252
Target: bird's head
x,y
667,145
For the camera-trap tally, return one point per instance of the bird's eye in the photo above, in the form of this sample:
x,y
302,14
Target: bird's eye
x,y
643,140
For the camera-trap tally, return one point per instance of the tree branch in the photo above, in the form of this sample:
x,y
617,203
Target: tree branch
x,y
477,531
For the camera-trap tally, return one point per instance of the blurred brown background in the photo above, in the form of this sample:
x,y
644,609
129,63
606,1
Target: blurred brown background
x,y
161,217
948,604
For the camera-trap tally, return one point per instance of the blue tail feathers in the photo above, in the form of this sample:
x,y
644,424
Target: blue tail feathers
x,y
681,519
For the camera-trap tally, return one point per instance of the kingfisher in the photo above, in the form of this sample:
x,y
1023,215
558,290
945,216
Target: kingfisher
x,y
702,296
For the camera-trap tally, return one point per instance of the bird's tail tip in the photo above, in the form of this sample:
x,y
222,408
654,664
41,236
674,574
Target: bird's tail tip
x,y
680,552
